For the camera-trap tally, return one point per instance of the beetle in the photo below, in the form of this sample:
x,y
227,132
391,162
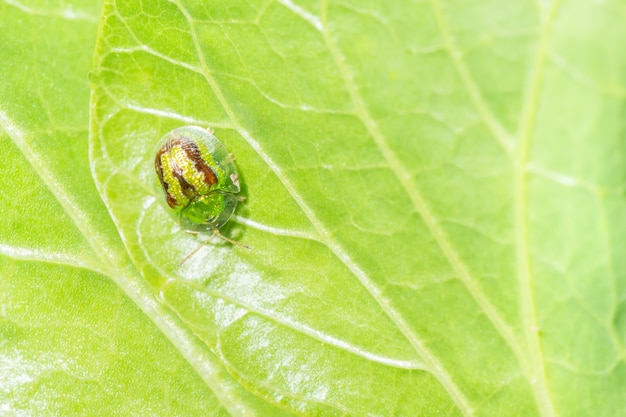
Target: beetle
x,y
199,180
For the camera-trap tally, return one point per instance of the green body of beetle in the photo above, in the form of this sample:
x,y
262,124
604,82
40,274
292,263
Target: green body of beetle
x,y
198,177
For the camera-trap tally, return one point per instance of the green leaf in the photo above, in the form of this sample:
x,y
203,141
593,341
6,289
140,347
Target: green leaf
x,y
434,198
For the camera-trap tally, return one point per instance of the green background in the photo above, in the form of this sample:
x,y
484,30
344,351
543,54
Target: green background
x,y
434,197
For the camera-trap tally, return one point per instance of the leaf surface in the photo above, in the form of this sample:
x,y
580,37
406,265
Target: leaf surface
x,y
434,197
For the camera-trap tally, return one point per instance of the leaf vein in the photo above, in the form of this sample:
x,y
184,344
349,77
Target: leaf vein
x,y
534,367
492,123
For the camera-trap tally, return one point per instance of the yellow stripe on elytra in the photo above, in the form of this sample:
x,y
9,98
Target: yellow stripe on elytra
x,y
173,186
